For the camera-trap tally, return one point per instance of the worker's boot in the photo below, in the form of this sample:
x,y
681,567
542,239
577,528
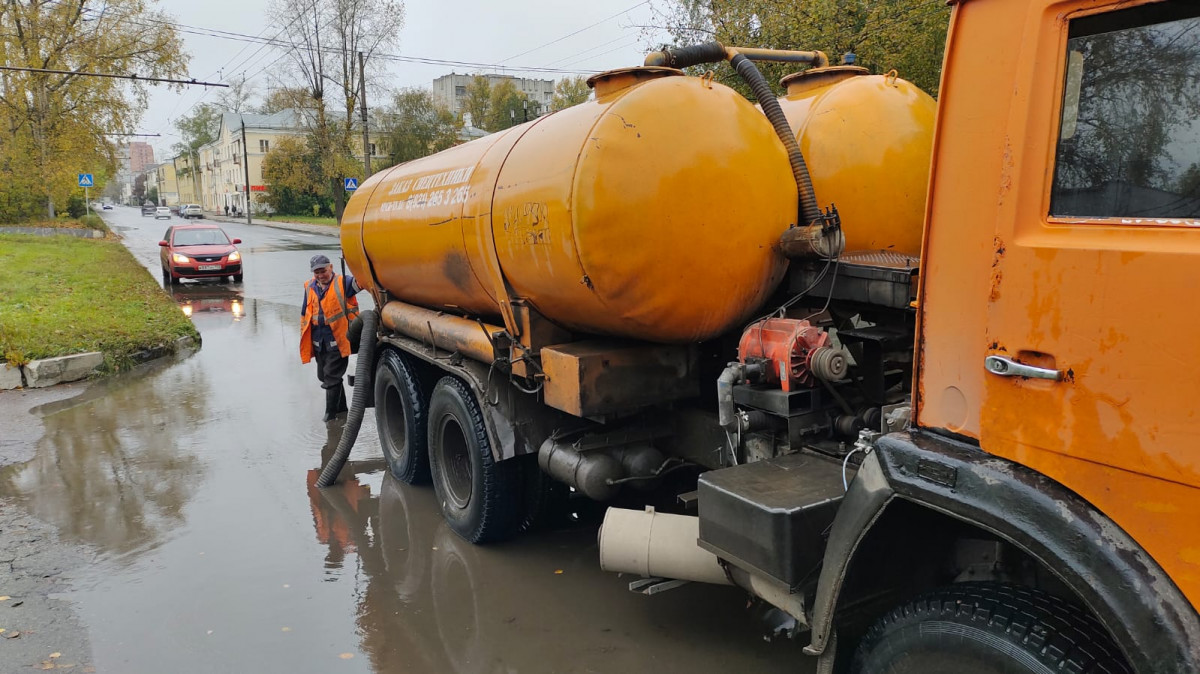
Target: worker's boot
x,y
341,406
332,398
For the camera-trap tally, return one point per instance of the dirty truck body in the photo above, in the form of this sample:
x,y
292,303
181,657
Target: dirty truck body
x,y
926,389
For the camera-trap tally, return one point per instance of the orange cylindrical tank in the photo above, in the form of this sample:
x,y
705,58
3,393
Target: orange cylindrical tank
x,y
867,140
651,212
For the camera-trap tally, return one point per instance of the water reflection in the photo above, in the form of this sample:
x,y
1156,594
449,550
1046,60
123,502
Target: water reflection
x,y
210,298
112,469
427,601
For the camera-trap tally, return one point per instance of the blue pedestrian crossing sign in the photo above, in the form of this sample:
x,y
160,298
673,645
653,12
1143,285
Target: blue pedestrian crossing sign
x,y
85,180
351,184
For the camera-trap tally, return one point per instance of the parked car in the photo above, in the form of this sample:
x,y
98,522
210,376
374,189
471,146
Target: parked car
x,y
148,208
199,251
191,211
174,209
162,213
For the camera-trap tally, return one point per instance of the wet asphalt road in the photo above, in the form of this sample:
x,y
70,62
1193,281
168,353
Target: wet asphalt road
x,y
192,479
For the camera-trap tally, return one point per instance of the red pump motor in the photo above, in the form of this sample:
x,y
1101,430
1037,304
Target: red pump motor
x,y
799,352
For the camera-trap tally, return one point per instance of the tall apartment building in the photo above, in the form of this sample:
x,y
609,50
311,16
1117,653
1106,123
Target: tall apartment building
x,y
141,155
452,89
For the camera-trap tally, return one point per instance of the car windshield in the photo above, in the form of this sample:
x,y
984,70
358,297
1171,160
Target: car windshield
x,y
200,237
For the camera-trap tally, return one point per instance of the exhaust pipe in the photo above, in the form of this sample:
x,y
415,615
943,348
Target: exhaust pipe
x,y
651,543
654,544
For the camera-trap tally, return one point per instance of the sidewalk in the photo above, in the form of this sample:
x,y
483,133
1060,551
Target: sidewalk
x,y
305,227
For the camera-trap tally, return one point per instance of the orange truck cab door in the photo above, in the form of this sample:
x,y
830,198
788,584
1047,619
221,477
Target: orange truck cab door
x,y
1062,260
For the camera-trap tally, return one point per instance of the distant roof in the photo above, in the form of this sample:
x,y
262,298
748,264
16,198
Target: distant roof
x,y
284,120
468,132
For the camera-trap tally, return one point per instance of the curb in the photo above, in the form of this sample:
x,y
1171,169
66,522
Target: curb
x,y
76,232
65,369
305,227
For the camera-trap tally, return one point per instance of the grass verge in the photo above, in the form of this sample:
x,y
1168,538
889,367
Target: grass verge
x,y
303,218
65,295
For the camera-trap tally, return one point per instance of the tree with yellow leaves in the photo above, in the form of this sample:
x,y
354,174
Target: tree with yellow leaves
x,y
906,35
57,124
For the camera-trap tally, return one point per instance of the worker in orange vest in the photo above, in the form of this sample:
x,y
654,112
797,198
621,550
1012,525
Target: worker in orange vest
x,y
324,329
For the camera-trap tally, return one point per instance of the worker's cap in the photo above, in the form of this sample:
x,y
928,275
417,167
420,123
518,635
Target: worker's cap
x,y
318,261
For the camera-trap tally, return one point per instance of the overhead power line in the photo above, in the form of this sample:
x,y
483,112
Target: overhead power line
x,y
402,58
135,78
573,34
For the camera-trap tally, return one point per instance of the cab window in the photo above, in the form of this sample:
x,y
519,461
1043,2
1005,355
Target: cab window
x,y
1129,135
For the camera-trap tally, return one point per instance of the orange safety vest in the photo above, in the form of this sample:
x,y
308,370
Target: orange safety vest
x,y
339,310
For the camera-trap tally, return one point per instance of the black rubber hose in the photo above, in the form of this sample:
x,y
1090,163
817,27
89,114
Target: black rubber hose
x,y
358,405
809,211
686,57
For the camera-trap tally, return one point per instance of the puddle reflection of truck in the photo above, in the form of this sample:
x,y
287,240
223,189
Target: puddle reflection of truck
x,y
631,287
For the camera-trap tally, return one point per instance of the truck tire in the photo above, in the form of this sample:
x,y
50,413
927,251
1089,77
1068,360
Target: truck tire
x,y
987,628
480,498
401,415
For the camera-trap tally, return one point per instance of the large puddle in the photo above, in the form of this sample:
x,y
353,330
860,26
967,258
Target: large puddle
x,y
193,481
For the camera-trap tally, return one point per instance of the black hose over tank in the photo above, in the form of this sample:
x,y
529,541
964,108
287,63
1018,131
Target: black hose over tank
x,y
809,210
715,52
358,405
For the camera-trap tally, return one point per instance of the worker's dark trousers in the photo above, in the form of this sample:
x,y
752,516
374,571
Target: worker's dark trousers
x,y
331,365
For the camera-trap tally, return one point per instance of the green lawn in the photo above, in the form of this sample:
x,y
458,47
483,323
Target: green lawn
x,y
312,220
65,295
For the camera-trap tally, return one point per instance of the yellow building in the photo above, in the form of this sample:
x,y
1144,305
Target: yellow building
x,y
242,142
168,189
188,180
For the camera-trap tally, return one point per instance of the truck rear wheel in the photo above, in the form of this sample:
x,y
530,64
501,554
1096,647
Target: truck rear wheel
x,y
987,628
402,418
480,497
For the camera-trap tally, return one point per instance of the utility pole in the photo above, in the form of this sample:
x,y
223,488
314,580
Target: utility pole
x,y
197,179
362,94
246,168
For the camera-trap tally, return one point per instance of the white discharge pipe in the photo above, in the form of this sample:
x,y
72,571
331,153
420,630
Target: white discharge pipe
x,y
654,544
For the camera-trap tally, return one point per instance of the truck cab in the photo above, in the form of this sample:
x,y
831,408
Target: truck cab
x,y
1053,414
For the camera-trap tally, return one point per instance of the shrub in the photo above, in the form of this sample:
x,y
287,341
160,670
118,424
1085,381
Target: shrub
x,y
76,207
94,222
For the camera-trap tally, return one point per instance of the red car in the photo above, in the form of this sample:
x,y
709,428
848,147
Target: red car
x,y
199,251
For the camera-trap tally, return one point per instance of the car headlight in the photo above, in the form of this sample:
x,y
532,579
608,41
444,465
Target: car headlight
x,y
180,258
235,256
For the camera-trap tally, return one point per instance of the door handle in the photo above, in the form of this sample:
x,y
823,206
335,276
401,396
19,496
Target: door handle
x,y
1007,367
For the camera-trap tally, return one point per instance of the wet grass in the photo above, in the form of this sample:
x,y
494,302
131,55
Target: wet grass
x,y
65,295
303,218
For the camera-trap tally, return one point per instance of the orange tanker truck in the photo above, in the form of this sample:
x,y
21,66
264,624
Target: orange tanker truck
x,y
920,375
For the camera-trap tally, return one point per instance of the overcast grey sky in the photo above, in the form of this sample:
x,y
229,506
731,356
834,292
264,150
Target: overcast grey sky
x,y
611,35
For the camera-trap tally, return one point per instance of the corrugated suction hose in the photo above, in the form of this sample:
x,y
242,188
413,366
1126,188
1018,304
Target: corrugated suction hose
x,y
809,211
358,405
715,52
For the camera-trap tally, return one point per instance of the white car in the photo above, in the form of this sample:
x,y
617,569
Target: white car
x,y
162,213
191,211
